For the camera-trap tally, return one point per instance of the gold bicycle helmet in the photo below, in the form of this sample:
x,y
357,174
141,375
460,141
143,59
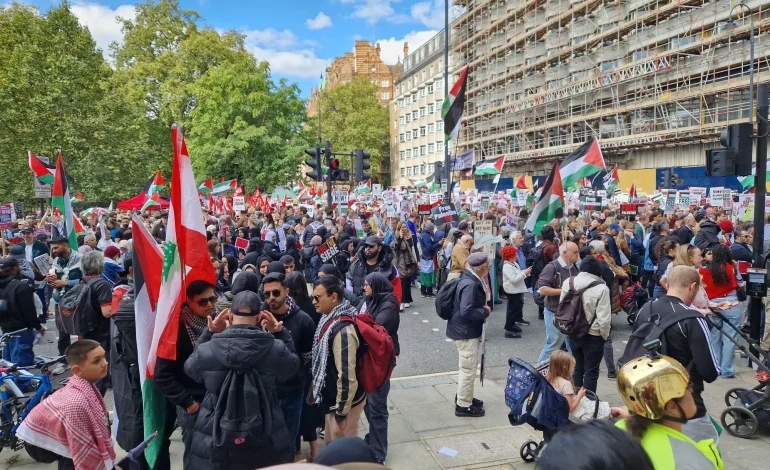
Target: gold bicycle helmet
x,y
647,384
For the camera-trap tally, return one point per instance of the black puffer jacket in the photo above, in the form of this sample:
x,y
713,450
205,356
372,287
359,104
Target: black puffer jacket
x,y
384,310
20,310
468,314
271,250
708,237
302,329
240,347
357,270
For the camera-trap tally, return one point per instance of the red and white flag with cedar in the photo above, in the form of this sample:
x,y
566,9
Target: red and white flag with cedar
x,y
185,259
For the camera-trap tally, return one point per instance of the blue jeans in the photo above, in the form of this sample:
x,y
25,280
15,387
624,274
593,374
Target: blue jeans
x,y
376,410
553,338
292,412
724,349
19,349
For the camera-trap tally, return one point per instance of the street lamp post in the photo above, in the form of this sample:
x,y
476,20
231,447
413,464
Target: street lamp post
x,y
751,57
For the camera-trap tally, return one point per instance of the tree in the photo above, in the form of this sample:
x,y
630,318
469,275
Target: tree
x,y
357,120
245,126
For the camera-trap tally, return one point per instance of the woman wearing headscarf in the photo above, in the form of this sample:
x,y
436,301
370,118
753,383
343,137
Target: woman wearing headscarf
x,y
331,270
382,305
293,251
270,247
405,261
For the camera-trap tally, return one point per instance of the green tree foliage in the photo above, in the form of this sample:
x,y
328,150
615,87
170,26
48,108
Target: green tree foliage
x,y
113,121
352,117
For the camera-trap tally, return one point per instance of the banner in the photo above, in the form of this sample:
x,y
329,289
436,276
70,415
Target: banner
x,y
328,250
239,203
447,212
7,216
716,196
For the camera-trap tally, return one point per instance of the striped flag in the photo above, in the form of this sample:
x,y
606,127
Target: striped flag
x,y
185,259
586,161
453,106
491,167
43,171
60,200
155,184
632,191
152,201
224,186
551,199
206,187
76,198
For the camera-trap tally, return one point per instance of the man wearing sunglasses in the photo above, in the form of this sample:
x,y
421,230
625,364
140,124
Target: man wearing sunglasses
x,y
196,316
291,391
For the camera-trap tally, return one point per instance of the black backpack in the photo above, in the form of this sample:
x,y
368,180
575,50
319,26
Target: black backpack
x,y
570,317
651,330
76,310
536,260
242,415
5,298
445,299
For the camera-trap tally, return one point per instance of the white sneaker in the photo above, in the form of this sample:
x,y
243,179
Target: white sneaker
x,y
58,369
401,309
406,305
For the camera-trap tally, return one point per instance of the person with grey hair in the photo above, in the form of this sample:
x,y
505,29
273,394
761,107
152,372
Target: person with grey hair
x,y
90,240
471,309
97,320
549,286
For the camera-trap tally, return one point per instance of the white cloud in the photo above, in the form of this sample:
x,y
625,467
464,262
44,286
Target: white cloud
x,y
102,21
430,14
286,54
319,22
391,50
372,11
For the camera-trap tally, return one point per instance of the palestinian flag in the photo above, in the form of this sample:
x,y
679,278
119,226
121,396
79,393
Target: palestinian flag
x,y
148,268
657,197
522,183
551,199
586,161
418,183
185,259
238,191
614,177
491,167
452,109
206,187
224,186
747,182
632,191
77,198
43,171
152,201
154,185
364,187
60,199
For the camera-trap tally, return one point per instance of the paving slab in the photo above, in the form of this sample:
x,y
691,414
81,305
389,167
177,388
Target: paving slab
x,y
415,396
433,416
410,456
499,445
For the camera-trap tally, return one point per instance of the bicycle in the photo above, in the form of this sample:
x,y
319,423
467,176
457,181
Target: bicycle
x,y
21,391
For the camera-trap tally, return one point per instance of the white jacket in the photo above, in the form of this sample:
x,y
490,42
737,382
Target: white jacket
x,y
513,278
596,303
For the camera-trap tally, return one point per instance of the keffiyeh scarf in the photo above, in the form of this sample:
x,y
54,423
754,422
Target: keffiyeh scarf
x,y
321,345
193,324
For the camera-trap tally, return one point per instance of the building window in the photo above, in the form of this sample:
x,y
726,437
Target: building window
x,y
385,95
431,168
422,131
401,103
439,84
431,148
423,75
422,92
423,150
415,152
422,112
408,136
402,138
415,115
440,147
385,83
439,126
402,154
408,153
431,128
431,70
403,172
409,171
415,133
430,89
422,169
414,97
402,120
430,108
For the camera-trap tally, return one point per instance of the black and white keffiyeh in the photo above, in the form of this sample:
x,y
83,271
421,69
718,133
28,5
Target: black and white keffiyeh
x,y
321,345
193,324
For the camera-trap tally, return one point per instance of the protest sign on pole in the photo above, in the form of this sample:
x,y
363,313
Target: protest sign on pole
x,y
376,189
328,250
7,216
445,212
239,203
716,196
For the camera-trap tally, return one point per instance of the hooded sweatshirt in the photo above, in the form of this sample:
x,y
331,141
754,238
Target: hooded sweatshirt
x,y
20,311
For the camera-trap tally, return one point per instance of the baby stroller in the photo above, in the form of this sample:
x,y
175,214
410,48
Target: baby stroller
x,y
532,400
746,409
632,299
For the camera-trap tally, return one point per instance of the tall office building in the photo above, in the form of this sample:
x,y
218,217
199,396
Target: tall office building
x,y
655,80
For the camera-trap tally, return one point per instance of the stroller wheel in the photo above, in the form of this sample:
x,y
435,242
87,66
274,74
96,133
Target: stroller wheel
x,y
732,397
739,422
631,318
529,451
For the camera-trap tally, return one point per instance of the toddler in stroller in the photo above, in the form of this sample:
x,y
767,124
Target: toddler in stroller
x,y
532,400
632,299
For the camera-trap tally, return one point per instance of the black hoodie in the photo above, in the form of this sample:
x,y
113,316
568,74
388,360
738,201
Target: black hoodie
x,y
708,236
357,271
20,311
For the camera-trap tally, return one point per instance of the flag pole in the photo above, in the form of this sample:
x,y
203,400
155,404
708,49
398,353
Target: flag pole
x,y
447,166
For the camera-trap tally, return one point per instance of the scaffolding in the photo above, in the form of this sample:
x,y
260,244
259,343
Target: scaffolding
x,y
544,75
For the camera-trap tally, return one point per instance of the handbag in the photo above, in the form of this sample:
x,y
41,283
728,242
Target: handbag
x,y
740,291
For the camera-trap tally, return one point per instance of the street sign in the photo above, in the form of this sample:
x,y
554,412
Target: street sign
x,y
340,196
42,190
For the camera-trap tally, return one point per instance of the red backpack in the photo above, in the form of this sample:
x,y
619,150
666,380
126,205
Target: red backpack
x,y
376,355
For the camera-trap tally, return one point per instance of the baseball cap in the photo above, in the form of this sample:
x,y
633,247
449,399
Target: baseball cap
x,y
18,252
27,230
248,299
478,259
59,239
463,226
373,240
615,227
8,262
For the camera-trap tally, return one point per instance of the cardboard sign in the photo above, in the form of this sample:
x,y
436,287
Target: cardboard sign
x,y
239,203
484,206
628,209
376,189
512,220
423,209
7,216
670,203
340,196
241,243
716,196
698,196
447,212
328,250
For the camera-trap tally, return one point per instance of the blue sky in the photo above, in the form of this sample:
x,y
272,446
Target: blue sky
x,y
298,37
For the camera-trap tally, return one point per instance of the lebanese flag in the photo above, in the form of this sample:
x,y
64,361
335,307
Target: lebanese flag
x,y
491,167
185,259
206,187
453,106
586,161
60,200
43,171
551,199
522,183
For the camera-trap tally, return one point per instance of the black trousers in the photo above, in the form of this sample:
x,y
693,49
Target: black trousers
x,y
514,312
588,352
647,282
406,290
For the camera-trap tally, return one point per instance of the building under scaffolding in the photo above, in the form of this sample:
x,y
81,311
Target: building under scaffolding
x,y
656,80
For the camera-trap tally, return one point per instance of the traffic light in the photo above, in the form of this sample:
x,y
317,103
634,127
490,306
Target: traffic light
x,y
438,172
314,162
735,158
665,179
362,164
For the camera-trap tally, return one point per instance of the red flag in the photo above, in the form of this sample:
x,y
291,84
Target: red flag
x,y
283,203
239,191
615,175
632,191
522,183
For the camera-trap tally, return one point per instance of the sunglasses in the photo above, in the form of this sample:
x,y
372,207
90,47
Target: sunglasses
x,y
204,302
272,293
317,298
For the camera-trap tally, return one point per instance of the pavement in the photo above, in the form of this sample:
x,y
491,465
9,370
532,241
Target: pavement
x,y
425,434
